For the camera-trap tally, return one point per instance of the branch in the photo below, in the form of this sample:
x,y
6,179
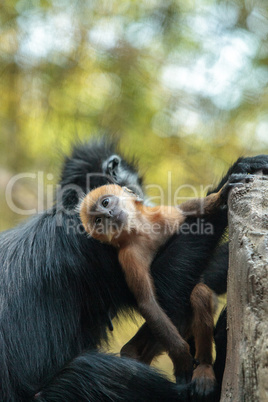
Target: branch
x,y
246,371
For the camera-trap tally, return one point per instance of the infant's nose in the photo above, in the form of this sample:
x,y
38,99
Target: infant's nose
x,y
109,214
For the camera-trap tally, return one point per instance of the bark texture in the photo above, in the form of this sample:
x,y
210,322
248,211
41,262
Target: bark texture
x,y
246,371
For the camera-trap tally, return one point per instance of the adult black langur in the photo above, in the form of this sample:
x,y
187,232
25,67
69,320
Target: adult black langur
x,y
59,289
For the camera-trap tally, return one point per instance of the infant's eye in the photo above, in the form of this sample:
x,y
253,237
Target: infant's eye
x,y
98,220
105,202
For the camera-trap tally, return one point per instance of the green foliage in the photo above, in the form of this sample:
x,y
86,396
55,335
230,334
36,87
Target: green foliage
x,y
183,84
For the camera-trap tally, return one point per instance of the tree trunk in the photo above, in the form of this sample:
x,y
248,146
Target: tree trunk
x,y
246,371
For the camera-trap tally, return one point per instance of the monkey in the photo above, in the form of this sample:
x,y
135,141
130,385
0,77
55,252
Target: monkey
x,y
117,216
54,310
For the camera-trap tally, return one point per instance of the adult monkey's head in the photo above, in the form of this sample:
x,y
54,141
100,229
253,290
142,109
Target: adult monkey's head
x,y
93,164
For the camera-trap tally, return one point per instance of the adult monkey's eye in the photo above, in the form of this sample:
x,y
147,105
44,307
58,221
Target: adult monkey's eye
x,y
105,202
98,220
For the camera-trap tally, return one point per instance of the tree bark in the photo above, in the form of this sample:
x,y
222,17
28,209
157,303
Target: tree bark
x,y
246,371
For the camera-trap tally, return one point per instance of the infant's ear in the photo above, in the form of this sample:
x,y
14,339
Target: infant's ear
x,y
137,197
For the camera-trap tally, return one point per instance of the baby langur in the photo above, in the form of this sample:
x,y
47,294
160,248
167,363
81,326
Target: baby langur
x,y
115,215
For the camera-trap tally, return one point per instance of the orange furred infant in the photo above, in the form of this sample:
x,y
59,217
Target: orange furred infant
x,y
117,216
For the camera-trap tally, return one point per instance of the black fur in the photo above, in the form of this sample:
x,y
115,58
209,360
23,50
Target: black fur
x,y
220,336
215,276
97,377
59,288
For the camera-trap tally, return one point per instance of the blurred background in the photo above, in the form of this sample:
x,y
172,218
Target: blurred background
x,y
182,84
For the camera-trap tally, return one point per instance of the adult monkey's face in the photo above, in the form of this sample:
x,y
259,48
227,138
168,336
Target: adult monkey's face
x,y
94,164
123,173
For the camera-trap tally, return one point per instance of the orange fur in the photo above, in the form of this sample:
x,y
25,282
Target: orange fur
x,y
142,230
